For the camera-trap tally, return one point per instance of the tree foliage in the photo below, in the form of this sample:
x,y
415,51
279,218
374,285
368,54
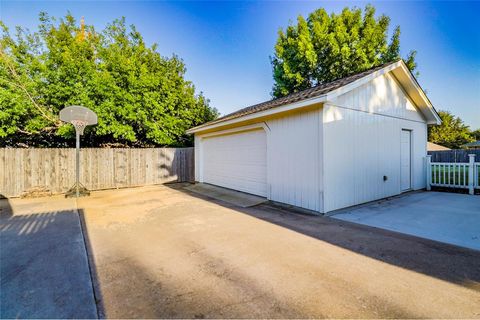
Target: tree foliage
x,y
141,98
476,135
452,133
325,47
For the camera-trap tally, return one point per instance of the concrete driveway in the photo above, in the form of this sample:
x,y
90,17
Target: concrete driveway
x,y
164,252
43,262
447,217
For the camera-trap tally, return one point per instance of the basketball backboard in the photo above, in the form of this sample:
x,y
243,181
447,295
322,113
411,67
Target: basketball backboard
x,y
79,116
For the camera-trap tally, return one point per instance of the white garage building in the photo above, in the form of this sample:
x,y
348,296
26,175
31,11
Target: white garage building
x,y
339,144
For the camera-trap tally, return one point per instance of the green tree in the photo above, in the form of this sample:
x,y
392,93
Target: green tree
x,y
476,135
325,47
452,133
141,98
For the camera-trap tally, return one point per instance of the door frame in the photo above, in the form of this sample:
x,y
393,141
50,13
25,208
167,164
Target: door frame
x,y
410,188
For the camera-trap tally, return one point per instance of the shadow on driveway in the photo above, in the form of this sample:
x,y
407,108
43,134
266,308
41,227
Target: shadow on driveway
x,y
165,252
443,261
43,265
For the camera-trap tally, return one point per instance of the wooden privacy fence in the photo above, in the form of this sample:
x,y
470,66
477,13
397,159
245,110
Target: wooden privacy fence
x,y
459,155
23,170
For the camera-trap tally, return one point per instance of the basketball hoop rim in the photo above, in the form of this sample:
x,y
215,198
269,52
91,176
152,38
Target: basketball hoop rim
x,y
79,122
79,125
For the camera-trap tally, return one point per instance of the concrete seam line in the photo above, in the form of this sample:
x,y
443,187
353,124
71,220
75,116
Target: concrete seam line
x,y
87,255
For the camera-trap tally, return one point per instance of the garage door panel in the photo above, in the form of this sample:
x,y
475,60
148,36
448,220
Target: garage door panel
x,y
250,176
237,161
245,185
228,160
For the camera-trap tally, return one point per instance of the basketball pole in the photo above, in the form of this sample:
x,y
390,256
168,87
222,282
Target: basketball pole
x,y
77,173
79,117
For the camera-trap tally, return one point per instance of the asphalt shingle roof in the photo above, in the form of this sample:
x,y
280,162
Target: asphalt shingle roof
x,y
297,96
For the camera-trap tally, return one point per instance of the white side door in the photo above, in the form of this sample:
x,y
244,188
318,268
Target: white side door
x,y
406,160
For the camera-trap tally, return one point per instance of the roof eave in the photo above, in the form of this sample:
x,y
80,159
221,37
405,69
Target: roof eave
x,y
416,93
281,109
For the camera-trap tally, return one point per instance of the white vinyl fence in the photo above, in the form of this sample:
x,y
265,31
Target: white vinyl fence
x,y
454,174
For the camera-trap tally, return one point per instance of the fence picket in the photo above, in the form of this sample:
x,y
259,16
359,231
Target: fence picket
x,y
477,175
54,169
444,171
453,156
454,175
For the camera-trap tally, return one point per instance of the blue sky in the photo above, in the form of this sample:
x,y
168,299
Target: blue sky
x,y
226,45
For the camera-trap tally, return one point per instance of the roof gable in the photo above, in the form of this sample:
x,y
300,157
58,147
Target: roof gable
x,y
329,91
381,95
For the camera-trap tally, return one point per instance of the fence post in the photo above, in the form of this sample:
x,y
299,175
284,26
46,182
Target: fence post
x,y
429,172
471,167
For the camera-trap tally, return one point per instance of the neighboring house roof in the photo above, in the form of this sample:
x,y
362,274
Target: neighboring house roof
x,y
323,92
435,147
472,145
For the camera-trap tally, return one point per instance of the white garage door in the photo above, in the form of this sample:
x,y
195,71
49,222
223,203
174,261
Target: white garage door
x,y
237,161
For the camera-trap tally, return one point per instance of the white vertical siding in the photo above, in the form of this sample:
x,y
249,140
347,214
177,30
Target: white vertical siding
x,y
294,160
362,142
382,95
197,156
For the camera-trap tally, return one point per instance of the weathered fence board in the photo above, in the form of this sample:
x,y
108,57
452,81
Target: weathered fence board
x,y
22,170
459,155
